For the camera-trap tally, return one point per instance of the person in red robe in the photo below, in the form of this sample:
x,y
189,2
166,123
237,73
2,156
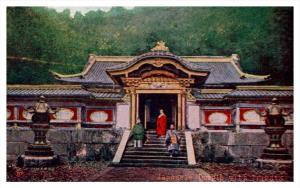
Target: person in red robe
x,y
161,124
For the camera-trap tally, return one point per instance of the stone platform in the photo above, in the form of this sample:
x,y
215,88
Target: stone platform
x,y
272,163
246,144
39,155
34,161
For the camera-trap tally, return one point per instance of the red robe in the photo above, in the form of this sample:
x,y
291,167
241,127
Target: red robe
x,y
161,125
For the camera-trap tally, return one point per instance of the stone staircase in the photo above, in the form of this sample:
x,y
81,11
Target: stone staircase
x,y
154,153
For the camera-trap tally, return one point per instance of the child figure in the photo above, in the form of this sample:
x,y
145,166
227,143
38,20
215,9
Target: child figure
x,y
138,132
172,141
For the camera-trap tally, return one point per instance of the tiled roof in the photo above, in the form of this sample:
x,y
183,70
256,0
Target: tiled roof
x,y
261,93
108,95
244,93
220,73
161,54
66,91
97,74
222,70
210,96
59,91
46,92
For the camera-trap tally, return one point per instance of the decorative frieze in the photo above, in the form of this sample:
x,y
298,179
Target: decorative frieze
x,y
189,96
99,115
250,116
217,117
66,114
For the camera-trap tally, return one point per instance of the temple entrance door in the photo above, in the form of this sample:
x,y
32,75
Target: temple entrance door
x,y
150,104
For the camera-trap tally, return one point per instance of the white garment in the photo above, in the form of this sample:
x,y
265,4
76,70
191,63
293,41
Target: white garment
x,y
137,143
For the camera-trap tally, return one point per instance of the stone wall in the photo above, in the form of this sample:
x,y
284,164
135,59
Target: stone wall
x,y
65,141
243,146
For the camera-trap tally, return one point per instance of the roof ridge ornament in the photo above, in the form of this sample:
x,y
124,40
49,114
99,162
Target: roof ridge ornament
x,y
160,46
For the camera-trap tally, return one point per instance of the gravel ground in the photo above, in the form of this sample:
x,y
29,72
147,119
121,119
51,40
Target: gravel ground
x,y
77,172
100,171
247,173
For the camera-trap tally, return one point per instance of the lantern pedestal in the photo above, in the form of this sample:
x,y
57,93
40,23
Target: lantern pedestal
x,y
40,153
275,155
275,149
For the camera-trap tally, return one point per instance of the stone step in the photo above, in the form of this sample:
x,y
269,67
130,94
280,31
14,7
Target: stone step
x,y
153,153
154,135
158,145
154,131
153,157
161,143
150,149
161,146
151,165
164,161
161,138
145,147
162,149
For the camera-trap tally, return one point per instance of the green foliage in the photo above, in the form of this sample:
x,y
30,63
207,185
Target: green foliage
x,y
28,73
103,154
209,153
227,158
263,37
106,153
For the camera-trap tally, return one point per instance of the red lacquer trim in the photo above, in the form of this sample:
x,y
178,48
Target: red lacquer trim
x,y
12,115
20,111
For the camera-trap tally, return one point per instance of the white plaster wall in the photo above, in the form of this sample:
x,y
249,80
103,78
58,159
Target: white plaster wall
x,y
193,116
123,115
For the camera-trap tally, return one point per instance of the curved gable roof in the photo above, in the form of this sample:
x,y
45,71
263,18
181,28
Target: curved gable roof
x,y
155,54
223,70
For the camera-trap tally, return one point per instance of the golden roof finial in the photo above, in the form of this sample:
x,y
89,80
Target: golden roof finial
x,y
160,46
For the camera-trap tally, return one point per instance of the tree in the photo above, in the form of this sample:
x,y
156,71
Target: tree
x,y
262,36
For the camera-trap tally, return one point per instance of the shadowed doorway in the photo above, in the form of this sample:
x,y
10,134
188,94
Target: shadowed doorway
x,y
150,104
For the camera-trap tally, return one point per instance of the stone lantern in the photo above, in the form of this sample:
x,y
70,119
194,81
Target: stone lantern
x,y
40,153
275,127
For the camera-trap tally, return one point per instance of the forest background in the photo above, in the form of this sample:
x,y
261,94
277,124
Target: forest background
x,y
41,39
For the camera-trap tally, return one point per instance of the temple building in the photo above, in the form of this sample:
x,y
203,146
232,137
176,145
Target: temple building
x,y
196,92
209,99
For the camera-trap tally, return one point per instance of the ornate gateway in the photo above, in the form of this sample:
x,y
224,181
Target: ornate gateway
x,y
157,72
